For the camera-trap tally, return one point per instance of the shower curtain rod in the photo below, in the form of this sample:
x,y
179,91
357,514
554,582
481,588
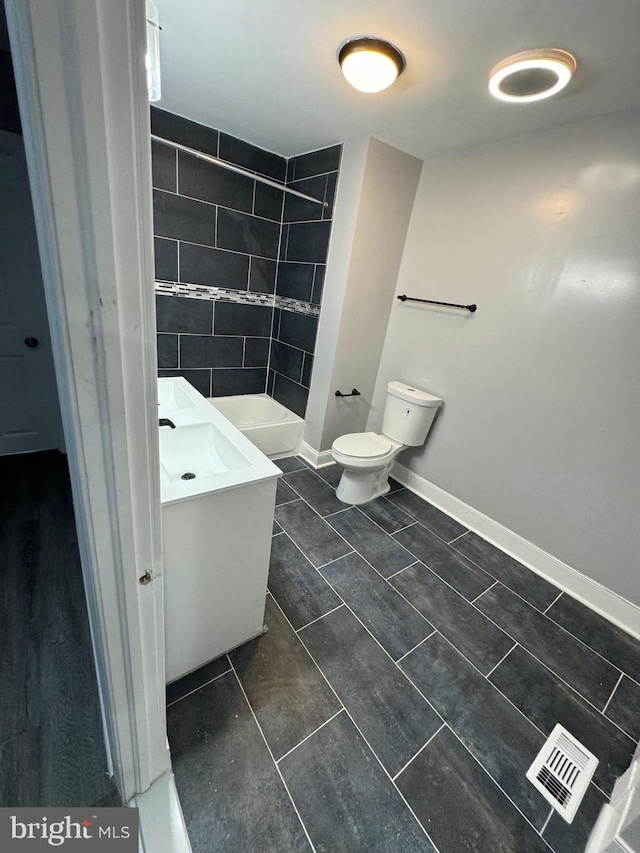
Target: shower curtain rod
x,y
218,162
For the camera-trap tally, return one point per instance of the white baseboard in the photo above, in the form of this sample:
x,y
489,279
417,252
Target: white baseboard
x,y
162,825
318,460
596,596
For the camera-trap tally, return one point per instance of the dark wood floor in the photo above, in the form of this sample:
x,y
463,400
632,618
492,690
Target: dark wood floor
x,y
51,742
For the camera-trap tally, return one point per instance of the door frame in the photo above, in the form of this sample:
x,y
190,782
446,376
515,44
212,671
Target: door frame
x,y
81,81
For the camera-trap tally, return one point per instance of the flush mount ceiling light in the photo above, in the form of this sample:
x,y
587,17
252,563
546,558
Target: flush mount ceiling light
x,y
531,75
370,64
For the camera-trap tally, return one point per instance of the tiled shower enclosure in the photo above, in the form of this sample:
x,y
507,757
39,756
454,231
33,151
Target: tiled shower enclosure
x,y
240,265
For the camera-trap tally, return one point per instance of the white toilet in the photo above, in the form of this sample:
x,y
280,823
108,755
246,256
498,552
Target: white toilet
x,y
367,458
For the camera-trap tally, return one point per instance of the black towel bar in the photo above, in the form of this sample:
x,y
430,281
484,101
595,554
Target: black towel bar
x,y
404,298
354,393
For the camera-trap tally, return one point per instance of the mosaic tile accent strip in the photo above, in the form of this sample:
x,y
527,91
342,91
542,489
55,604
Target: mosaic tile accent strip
x,y
245,297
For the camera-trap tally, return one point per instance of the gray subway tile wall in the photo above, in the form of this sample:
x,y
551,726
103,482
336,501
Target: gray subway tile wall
x,y
218,234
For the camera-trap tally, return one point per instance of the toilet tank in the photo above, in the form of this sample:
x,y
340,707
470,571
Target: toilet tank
x,y
408,414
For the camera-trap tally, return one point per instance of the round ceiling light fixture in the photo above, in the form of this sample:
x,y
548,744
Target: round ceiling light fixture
x,y
370,64
531,75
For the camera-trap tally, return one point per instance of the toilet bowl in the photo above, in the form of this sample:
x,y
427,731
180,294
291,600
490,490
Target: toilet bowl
x,y
367,457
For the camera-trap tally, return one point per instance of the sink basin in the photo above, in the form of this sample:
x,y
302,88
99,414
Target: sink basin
x,y
198,449
171,397
204,445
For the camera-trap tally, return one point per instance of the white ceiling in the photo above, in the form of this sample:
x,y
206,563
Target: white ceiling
x,y
265,70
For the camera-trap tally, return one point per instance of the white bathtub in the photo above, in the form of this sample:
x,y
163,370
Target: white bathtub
x,y
273,428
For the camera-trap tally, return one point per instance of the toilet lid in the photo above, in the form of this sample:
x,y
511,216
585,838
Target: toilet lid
x,y
366,445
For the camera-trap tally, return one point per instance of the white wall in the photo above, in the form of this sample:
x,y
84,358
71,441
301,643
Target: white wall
x,y
541,421
388,192
345,215
376,191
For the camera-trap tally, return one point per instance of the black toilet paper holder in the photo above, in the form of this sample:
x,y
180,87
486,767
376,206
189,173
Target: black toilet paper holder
x,y
354,393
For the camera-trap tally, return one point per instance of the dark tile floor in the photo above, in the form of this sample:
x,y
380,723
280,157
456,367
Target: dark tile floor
x,y
410,674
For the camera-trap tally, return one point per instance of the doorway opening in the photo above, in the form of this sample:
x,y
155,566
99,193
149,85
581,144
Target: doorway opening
x,y
52,749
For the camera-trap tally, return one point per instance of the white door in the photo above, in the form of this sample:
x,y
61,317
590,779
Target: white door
x,y
29,411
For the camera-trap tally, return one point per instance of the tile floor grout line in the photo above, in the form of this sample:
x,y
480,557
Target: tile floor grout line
x,y
577,692
318,618
554,674
559,595
376,641
324,565
474,757
293,488
302,551
335,560
595,651
373,521
365,559
410,603
337,512
399,572
431,532
540,661
604,710
546,823
574,689
315,663
345,603
457,591
195,690
478,610
517,642
393,779
424,640
284,473
631,678
473,601
292,501
502,660
346,710
464,599
315,471
422,523
504,695
493,685
337,534
282,779
424,746
313,509
390,778
455,538
488,572
354,549
533,606
424,697
311,734
406,527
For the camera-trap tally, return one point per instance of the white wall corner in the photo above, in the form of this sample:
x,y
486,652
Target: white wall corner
x,y
318,459
350,178
618,610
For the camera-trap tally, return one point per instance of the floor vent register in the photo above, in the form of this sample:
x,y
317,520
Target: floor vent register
x,y
562,771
